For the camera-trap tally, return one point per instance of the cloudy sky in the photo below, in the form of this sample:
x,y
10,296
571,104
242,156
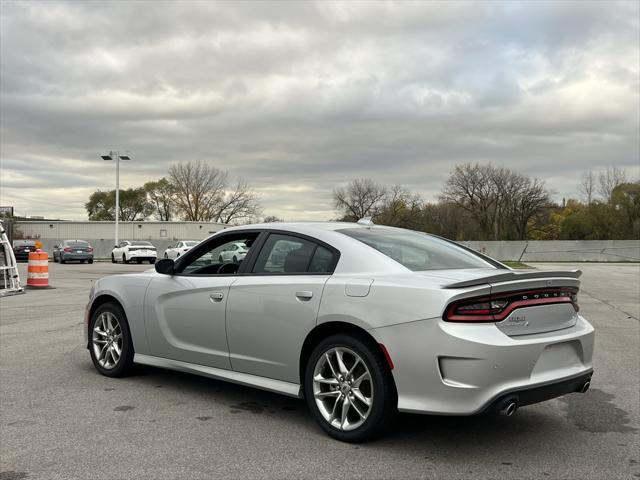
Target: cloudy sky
x,y
298,97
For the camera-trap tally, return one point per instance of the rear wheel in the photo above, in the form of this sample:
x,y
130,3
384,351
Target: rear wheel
x,y
113,259
90,260
349,388
124,258
111,346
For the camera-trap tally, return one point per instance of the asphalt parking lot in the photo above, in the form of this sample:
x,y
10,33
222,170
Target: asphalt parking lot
x,y
60,419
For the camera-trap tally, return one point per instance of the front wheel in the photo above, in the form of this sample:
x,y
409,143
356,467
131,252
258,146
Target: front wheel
x,y
111,346
349,388
124,258
113,259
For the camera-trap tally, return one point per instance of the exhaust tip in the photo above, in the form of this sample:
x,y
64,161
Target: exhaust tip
x,y
509,407
585,386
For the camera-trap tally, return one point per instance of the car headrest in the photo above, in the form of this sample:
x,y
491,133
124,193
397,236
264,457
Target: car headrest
x,y
296,261
228,268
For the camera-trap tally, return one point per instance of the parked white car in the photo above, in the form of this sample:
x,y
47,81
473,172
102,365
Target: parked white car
x,y
177,249
233,253
135,250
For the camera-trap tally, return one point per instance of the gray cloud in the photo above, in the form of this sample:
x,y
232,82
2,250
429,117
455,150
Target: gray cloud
x,y
299,97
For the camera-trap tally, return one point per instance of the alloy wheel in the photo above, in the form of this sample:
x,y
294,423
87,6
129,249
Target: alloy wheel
x,y
343,388
107,340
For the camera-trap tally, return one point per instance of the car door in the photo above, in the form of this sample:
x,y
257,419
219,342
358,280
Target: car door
x,y
185,313
274,305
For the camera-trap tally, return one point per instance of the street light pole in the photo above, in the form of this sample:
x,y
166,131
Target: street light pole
x,y
117,157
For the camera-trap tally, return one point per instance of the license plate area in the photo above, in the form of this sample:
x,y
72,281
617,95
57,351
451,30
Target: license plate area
x,y
559,359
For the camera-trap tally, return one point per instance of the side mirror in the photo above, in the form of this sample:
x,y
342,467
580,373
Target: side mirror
x,y
165,266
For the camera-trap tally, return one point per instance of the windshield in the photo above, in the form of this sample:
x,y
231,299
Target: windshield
x,y
415,250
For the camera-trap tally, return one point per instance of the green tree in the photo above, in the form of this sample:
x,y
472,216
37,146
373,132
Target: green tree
x,y
134,205
161,195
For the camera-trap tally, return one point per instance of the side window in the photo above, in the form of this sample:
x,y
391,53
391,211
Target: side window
x,y
289,254
210,261
322,261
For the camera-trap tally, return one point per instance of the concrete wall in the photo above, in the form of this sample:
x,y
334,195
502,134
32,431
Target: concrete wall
x,y
101,234
560,250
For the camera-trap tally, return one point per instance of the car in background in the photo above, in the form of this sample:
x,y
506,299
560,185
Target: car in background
x,y
233,253
73,251
177,249
134,250
22,248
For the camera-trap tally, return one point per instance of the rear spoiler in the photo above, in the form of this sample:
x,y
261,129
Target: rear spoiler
x,y
514,276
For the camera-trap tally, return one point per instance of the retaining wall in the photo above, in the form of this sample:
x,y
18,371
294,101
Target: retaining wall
x,y
560,250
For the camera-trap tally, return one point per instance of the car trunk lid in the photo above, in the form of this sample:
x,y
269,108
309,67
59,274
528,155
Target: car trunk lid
x,y
521,302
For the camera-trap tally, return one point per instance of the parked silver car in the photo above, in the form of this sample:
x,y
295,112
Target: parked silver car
x,y
360,320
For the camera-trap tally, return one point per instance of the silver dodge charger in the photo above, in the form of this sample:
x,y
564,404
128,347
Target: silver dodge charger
x,y
361,320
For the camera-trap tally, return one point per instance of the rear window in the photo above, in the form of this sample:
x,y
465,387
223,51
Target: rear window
x,y
142,244
76,243
415,250
190,244
24,243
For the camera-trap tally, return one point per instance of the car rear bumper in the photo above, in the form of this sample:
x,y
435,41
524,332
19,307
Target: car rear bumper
x,y
69,257
463,369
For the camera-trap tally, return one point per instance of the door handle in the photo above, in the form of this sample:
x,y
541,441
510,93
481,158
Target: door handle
x,y
304,295
216,296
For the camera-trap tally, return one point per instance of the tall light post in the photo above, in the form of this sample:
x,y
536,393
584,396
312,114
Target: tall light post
x,y
117,157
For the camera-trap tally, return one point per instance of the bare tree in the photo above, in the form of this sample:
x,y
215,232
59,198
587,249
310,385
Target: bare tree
x,y
400,208
529,198
201,194
360,198
503,202
198,189
609,180
272,219
238,204
471,187
587,186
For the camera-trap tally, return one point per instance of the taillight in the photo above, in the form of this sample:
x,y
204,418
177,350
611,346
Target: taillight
x,y
495,308
67,249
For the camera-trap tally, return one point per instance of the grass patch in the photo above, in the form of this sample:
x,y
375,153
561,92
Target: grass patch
x,y
516,264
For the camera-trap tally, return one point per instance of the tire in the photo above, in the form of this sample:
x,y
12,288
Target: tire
x,y
62,260
113,259
380,389
124,258
152,261
55,260
124,364
90,260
